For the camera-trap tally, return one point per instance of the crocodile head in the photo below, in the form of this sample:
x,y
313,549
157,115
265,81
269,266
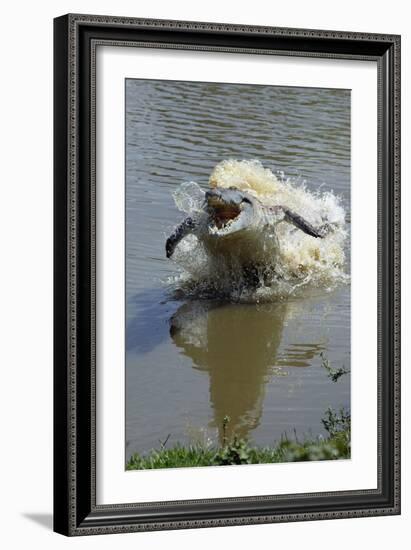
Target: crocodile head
x,y
229,211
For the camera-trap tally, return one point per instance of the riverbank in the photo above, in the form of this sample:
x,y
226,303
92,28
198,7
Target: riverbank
x,y
337,445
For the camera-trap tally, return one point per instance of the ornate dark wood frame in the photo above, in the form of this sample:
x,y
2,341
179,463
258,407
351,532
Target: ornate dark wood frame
x,y
75,41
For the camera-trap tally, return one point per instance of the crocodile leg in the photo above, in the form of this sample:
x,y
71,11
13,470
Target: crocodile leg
x,y
186,227
301,223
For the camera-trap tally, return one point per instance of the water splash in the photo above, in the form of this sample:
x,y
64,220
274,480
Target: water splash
x,y
189,197
300,261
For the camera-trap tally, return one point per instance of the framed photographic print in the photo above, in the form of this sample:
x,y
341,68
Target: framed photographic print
x,y
227,280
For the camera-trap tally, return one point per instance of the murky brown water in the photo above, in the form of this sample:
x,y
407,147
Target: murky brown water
x,y
190,363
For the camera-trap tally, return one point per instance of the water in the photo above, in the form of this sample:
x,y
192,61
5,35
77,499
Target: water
x,y
190,362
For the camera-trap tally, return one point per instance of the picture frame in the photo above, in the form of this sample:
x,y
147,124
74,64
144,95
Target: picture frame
x,y
76,38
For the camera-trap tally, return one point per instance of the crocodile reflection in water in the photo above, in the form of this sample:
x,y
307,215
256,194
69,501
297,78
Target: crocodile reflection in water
x,y
238,345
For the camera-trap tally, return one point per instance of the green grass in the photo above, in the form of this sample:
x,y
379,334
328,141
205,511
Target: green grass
x,y
333,374
238,451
